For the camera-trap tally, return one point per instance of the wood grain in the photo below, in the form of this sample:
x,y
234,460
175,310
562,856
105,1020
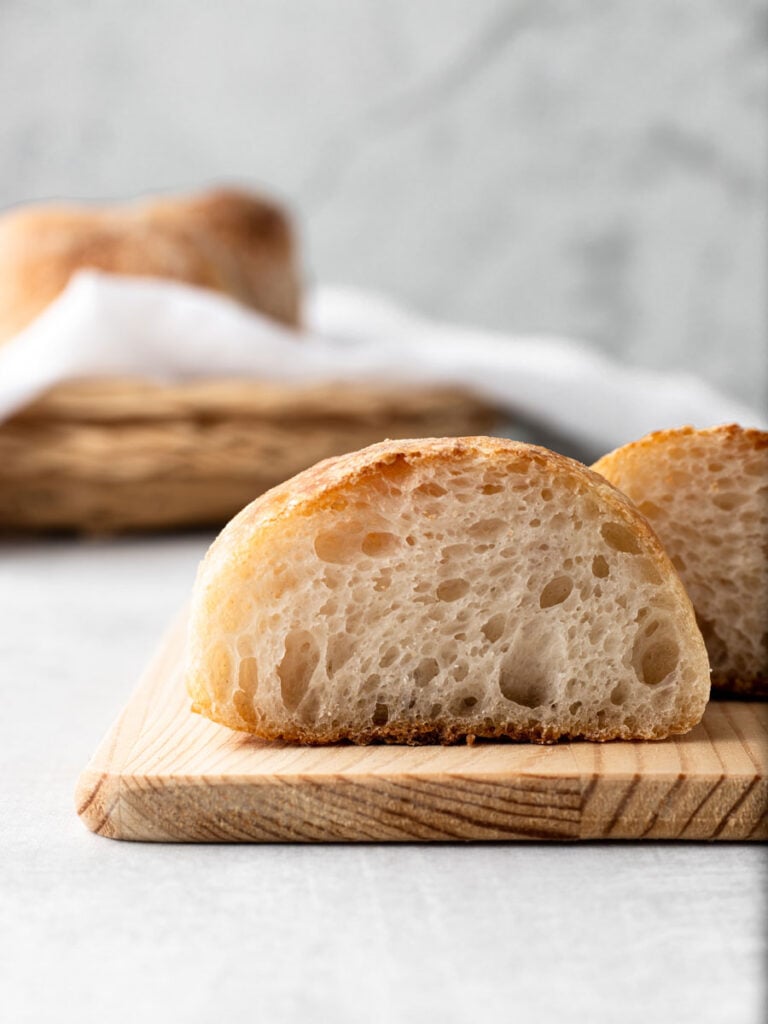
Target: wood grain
x,y
164,774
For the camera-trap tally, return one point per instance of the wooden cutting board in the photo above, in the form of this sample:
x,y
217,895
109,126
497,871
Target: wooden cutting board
x,y
164,774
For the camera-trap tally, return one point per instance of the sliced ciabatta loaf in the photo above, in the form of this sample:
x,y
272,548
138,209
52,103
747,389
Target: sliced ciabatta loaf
x,y
705,493
432,590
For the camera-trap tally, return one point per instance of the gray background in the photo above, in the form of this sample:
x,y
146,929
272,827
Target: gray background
x,y
589,167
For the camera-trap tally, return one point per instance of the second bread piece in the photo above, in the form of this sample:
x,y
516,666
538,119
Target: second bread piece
x,y
705,492
437,589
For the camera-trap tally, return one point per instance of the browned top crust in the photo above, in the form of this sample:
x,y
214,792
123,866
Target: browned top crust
x,y
316,486
728,432
227,240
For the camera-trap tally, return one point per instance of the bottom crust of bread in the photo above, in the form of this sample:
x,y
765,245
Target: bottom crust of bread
x,y
437,732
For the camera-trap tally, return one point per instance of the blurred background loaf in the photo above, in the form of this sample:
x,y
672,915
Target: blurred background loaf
x,y
232,241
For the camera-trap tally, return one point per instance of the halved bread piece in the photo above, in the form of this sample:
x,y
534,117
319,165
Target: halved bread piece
x,y
434,590
705,493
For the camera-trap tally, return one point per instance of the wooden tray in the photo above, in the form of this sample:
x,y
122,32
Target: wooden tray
x,y
165,774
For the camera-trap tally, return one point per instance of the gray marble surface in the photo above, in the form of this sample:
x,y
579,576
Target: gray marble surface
x,y
590,168
93,930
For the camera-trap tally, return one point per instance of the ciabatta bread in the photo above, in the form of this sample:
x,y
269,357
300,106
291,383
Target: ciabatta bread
x,y
434,590
705,493
226,240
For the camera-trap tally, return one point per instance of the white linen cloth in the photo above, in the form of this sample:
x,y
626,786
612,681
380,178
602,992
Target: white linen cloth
x,y
104,325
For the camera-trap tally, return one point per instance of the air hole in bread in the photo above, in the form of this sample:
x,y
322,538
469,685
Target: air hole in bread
x,y
654,660
460,671
520,685
494,627
547,494
396,471
600,567
307,711
452,590
620,538
487,529
453,552
463,704
575,707
620,693
248,676
297,667
378,544
338,545
431,489
556,591
425,671
372,682
388,657
729,501
338,652
380,714
244,708
679,562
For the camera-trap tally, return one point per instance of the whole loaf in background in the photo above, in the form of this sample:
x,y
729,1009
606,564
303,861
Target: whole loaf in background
x,y
231,241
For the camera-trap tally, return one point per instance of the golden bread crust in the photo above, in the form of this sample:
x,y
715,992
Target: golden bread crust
x,y
749,438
